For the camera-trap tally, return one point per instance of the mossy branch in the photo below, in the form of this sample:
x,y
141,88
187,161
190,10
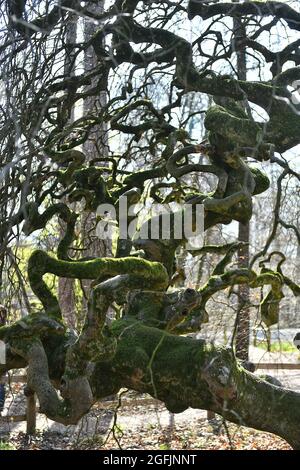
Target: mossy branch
x,y
151,273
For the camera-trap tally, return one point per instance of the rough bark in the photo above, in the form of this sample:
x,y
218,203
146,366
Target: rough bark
x,y
242,340
66,286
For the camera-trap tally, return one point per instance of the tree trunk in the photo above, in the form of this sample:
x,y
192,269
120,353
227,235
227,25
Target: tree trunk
x,y
66,286
96,144
154,362
243,318
94,147
297,303
66,296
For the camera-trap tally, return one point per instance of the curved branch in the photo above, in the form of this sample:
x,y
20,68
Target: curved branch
x,y
40,263
254,8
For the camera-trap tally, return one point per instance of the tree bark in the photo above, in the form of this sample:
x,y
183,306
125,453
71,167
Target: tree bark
x,y
184,372
94,147
243,319
242,342
66,286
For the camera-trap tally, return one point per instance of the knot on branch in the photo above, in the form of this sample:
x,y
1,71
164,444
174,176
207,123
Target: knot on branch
x,y
35,325
163,310
219,373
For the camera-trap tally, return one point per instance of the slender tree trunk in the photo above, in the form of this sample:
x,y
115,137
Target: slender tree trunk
x,y
243,325
95,146
243,321
66,286
297,304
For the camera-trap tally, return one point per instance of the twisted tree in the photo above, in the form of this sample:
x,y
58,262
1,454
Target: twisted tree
x,y
138,45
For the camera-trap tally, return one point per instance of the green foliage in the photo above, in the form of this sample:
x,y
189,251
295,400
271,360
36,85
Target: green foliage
x,y
4,445
164,446
278,346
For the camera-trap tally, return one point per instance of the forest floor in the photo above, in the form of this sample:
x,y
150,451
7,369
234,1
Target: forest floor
x,y
140,426
187,433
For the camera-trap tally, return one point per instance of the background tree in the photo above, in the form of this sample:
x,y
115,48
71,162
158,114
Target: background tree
x,y
66,286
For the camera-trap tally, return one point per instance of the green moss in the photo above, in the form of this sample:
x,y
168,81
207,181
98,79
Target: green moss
x,y
262,182
4,445
151,273
233,130
37,268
